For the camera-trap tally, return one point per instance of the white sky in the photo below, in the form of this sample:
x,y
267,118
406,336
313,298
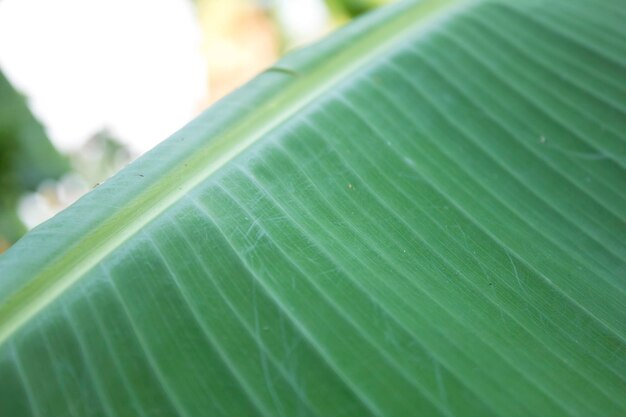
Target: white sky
x,y
133,66
302,19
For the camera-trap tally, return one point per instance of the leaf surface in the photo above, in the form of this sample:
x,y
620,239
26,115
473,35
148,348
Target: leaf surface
x,y
424,214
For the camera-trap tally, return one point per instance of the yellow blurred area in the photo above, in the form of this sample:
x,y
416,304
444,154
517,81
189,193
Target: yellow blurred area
x,y
239,40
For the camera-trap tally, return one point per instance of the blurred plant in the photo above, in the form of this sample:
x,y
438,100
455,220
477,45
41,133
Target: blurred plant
x,y
348,9
27,158
101,156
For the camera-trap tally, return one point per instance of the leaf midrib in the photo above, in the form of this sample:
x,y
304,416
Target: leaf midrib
x,y
114,231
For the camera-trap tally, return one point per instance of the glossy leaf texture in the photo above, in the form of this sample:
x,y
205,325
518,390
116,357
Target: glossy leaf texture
x,y
423,215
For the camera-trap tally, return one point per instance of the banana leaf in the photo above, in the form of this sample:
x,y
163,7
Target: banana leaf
x,y
422,215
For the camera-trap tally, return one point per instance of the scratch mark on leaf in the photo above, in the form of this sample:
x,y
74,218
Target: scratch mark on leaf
x,y
519,281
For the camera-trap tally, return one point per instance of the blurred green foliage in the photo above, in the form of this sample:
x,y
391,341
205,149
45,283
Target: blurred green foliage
x,y
27,157
353,8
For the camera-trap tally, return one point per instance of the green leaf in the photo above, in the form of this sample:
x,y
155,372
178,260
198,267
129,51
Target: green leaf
x,y
425,214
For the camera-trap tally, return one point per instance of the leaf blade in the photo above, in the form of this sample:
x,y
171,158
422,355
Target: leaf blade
x,y
403,243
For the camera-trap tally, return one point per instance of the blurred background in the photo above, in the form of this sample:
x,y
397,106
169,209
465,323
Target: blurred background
x,y
86,86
